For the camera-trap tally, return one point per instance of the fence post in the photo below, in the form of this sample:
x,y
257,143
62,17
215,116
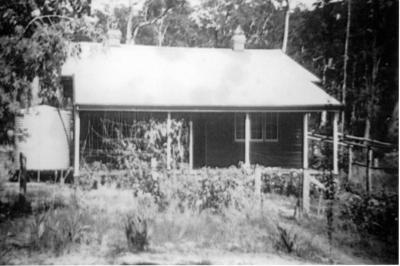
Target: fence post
x,y
350,170
370,160
247,140
191,144
77,131
335,143
367,171
305,140
306,191
169,141
257,182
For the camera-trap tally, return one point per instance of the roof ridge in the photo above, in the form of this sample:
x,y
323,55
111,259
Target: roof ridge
x,y
123,45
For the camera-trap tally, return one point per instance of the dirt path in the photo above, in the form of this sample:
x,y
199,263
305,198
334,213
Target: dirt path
x,y
174,258
208,257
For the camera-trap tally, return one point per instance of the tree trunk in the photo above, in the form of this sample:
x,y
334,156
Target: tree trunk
x,y
129,26
161,31
346,59
286,32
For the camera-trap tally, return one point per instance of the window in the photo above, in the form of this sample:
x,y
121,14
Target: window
x,y
264,127
271,126
256,126
239,126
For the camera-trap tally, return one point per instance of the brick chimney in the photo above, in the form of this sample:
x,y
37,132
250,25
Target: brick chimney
x,y
238,39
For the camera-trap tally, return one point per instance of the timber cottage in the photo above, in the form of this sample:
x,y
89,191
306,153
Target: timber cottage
x,y
243,105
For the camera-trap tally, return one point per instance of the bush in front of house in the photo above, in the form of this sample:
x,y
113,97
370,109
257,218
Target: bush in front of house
x,y
375,215
281,181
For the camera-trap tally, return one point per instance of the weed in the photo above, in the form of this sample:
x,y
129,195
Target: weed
x,y
287,240
58,228
136,233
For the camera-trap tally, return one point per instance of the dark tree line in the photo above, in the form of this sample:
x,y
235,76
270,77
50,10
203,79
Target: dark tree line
x,y
318,42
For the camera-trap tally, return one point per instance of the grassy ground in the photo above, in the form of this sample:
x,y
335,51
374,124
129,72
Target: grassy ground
x,y
94,225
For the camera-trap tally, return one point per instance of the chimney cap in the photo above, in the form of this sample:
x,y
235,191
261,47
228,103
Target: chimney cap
x,y
238,39
238,31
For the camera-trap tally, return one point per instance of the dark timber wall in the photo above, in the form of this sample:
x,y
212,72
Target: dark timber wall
x,y
215,145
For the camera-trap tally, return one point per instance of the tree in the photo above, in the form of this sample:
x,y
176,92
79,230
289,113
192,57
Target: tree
x,y
369,71
154,12
261,21
35,40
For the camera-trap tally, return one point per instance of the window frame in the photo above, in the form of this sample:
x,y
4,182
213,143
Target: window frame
x,y
264,129
235,128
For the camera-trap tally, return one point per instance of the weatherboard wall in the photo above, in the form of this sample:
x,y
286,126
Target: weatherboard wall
x,y
215,145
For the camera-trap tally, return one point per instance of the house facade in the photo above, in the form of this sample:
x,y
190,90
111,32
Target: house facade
x,y
242,105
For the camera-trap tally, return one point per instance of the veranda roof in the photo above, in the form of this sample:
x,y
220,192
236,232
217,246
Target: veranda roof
x,y
203,79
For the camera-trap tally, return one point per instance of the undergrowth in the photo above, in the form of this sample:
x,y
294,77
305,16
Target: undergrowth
x,y
194,210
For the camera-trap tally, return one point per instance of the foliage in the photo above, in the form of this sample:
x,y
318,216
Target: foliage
x,y
287,240
317,39
330,192
201,189
6,165
131,146
375,215
35,40
261,21
284,183
57,228
136,233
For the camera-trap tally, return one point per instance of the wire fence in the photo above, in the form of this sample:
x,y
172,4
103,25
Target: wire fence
x,y
370,163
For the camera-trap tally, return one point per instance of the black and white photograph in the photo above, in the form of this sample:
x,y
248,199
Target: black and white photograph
x,y
199,132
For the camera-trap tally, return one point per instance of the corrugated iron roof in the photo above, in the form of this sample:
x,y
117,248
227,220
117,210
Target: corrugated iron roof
x,y
149,76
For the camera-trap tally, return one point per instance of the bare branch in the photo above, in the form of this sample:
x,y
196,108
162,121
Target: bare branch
x,y
149,22
42,17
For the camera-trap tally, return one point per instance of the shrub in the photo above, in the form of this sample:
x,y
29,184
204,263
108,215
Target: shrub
x,y
57,228
5,249
283,183
287,240
136,232
373,214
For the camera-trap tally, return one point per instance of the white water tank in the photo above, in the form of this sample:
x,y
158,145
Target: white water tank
x,y
43,136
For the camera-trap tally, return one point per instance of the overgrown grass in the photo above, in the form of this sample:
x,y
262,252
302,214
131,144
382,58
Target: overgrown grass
x,y
188,212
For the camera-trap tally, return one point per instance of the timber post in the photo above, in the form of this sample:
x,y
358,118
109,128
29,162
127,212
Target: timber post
x,y
335,143
169,140
77,131
257,181
368,175
247,140
305,140
371,161
306,180
191,143
306,191
350,166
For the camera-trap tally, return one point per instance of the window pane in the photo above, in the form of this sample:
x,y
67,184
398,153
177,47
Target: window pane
x,y
271,126
256,126
239,126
